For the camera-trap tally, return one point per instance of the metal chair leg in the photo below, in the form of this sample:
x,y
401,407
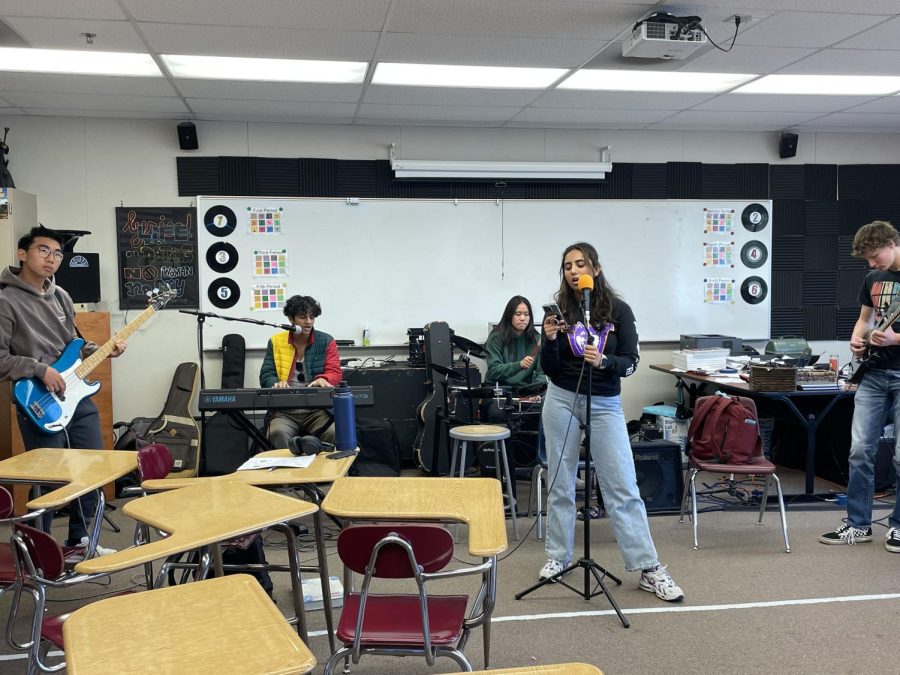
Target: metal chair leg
x,y
764,501
694,506
787,544
509,485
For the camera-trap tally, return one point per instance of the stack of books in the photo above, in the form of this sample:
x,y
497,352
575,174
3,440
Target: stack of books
x,y
708,360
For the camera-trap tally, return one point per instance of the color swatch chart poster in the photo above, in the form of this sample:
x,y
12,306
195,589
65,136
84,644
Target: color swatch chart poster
x,y
268,296
270,263
718,254
719,221
266,221
719,291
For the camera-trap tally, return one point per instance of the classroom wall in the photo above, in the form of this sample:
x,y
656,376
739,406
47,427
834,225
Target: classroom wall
x,y
81,169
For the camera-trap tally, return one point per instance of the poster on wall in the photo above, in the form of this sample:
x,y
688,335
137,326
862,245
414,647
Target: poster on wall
x,y
156,245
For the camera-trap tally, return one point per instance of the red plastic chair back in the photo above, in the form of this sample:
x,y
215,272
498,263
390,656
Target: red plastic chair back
x,y
6,503
45,552
432,546
154,461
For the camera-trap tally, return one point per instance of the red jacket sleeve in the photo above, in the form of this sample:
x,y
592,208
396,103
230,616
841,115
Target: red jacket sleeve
x,y
332,372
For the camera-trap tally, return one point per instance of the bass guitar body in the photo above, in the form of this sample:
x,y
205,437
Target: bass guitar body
x,y
873,354
51,413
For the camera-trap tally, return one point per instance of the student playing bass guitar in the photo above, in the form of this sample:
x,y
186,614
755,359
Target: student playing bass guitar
x,y
37,322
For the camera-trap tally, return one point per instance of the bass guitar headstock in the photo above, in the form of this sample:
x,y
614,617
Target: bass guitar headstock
x,y
160,296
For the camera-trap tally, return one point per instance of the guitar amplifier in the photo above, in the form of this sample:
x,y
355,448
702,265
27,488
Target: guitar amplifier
x,y
79,275
659,475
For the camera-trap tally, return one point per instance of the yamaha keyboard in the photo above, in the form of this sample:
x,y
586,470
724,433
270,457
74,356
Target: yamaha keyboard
x,y
277,399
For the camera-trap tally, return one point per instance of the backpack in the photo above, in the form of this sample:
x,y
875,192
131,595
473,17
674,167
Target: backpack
x,y
724,429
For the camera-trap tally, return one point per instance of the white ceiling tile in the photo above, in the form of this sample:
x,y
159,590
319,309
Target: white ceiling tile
x,y
485,50
288,109
75,112
847,62
85,84
744,59
591,116
888,104
275,119
806,29
883,36
738,120
400,122
112,36
569,98
327,45
83,9
448,96
618,126
811,6
765,102
5,112
270,91
563,19
310,14
96,102
375,111
858,122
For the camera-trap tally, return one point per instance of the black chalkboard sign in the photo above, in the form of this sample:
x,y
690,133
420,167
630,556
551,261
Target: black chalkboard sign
x,y
157,245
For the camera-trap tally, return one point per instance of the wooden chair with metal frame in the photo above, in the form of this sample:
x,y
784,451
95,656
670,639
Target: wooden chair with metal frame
x,y
402,624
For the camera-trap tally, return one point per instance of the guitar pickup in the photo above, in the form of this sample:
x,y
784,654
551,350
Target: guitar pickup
x,y
36,409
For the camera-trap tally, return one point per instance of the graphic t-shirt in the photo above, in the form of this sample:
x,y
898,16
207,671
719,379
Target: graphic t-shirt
x,y
879,289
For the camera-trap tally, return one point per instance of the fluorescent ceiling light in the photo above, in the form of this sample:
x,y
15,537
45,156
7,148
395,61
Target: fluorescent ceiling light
x,y
488,77
463,170
831,85
68,61
269,70
642,80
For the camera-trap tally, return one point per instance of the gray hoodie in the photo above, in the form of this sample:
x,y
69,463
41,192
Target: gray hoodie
x,y
34,326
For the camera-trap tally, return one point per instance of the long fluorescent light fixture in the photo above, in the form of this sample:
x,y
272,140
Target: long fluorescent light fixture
x,y
73,62
266,70
465,170
488,77
642,80
830,85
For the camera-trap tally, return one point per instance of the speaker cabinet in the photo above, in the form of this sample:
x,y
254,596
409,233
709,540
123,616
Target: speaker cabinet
x,y
787,145
187,136
227,445
659,476
79,275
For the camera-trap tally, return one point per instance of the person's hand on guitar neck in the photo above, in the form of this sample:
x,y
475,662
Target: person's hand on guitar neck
x,y
118,349
880,338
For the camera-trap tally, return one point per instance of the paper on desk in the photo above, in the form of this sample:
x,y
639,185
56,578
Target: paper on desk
x,y
300,462
727,380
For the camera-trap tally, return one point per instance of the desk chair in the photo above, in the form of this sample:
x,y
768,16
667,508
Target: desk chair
x,y
757,466
402,624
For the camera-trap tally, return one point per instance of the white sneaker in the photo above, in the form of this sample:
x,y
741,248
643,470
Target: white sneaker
x,y
100,550
660,582
551,568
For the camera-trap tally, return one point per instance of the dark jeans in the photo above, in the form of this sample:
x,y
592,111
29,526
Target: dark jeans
x,y
83,432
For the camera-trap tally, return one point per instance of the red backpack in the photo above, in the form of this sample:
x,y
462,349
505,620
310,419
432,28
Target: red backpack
x,y
724,429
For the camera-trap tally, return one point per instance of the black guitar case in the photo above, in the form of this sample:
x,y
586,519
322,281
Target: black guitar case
x,y
174,427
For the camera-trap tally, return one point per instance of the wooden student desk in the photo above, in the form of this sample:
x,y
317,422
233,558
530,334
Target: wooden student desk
x,y
321,471
78,471
477,502
548,669
204,515
223,625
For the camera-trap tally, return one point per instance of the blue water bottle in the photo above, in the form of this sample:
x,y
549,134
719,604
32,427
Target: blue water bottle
x,y
344,418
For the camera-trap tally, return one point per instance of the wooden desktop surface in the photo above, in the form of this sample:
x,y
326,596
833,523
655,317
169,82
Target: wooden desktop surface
x,y
80,470
478,502
204,514
322,470
548,669
223,625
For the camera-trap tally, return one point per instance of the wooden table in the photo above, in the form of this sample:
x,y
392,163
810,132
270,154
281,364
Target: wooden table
x,y
321,471
223,625
477,502
78,471
548,669
204,515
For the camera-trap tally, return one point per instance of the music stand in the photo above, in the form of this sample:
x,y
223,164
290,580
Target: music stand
x,y
471,349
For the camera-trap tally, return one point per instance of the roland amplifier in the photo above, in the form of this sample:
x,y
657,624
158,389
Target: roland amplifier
x,y
79,276
659,475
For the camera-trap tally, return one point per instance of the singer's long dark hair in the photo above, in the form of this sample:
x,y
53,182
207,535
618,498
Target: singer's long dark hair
x,y
505,329
603,297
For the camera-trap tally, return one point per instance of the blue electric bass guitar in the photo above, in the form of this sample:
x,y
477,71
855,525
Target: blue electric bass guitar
x,y
51,412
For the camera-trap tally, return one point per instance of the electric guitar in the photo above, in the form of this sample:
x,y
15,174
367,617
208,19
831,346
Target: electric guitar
x,y
51,412
872,352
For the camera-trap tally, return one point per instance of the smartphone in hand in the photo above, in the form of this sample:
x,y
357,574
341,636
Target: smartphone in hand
x,y
553,308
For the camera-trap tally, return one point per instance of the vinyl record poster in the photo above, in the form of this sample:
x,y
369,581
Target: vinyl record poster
x,y
755,217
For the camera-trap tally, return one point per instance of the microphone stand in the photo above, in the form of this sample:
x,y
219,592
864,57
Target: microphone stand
x,y
585,562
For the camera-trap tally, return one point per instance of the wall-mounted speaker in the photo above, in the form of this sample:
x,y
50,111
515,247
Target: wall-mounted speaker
x,y
787,145
187,136
79,275
659,477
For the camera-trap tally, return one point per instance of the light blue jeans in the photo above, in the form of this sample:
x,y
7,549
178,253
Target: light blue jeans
x,y
878,393
611,454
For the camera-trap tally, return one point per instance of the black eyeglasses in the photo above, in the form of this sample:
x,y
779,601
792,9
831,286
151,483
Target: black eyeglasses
x,y
46,252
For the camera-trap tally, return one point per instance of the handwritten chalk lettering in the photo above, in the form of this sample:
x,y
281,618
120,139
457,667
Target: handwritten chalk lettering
x,y
159,229
175,272
136,289
143,273
166,255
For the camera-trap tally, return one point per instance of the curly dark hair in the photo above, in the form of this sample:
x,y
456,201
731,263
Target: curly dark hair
x,y
871,237
40,231
603,297
302,305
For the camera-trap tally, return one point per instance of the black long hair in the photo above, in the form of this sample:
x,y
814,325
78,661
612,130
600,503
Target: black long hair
x,y
505,328
603,297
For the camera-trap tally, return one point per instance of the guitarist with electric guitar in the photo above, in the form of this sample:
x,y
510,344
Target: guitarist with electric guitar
x,y
877,346
37,327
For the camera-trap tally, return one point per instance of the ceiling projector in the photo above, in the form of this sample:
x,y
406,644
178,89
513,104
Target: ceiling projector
x,y
664,36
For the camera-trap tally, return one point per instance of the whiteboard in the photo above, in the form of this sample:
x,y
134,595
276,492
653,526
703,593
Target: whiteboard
x,y
398,264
